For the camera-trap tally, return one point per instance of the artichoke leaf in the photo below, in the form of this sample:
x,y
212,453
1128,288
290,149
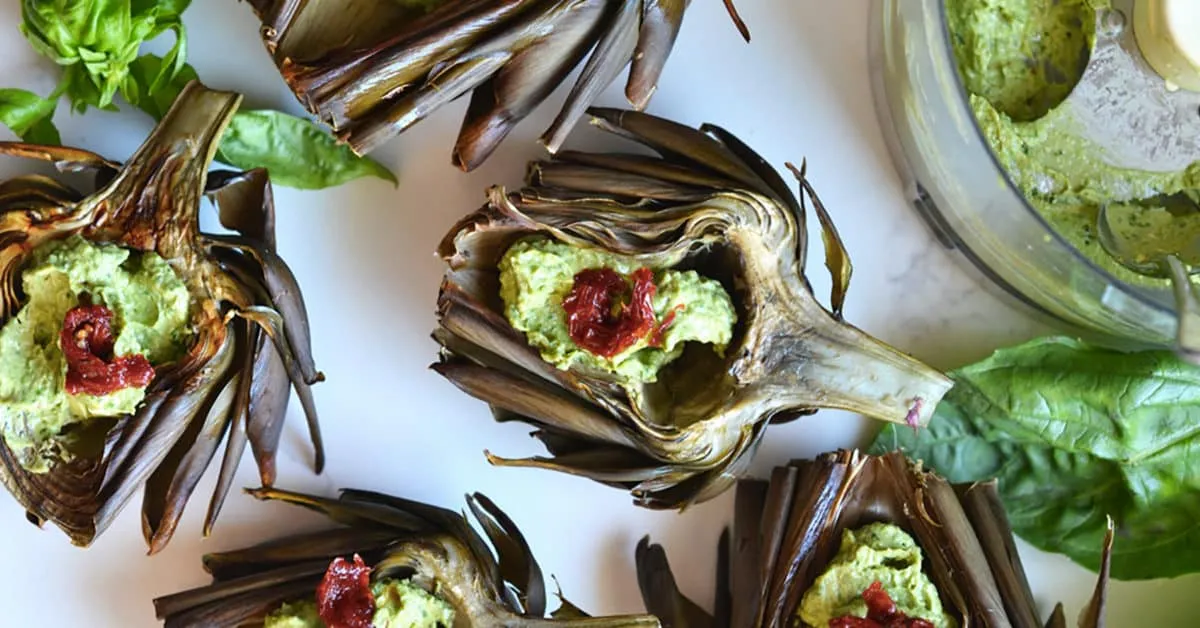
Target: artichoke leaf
x,y
1093,613
342,88
239,419
513,552
151,203
371,69
268,407
234,564
787,529
661,20
245,203
706,203
176,476
613,52
662,595
37,193
516,89
837,259
64,158
435,548
443,88
272,324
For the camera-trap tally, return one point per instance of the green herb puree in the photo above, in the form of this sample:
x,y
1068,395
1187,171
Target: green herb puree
x,y
877,552
151,318
536,274
398,604
1019,59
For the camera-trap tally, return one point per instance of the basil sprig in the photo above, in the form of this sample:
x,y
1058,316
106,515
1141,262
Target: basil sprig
x,y
96,42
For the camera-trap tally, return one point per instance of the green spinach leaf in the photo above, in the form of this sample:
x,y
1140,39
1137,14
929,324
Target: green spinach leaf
x,y
29,116
96,40
1074,433
295,151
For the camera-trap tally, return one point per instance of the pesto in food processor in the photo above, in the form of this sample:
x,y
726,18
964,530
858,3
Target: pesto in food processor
x,y
1019,59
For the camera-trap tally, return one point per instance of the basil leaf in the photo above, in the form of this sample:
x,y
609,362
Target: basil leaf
x,y
29,116
1074,433
295,151
155,102
97,40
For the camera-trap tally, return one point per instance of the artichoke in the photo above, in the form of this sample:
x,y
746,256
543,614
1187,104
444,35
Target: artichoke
x,y
373,68
708,204
433,548
245,328
786,531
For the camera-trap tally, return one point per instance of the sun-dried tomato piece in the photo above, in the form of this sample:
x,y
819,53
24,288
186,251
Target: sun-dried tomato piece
x,y
881,613
598,317
87,344
344,597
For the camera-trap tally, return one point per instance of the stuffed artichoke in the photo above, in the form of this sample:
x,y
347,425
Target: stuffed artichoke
x,y
391,562
373,68
856,541
650,315
132,344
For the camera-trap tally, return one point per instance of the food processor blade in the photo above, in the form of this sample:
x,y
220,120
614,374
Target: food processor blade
x,y
1136,118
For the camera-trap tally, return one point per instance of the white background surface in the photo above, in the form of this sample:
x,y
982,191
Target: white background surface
x,y
364,256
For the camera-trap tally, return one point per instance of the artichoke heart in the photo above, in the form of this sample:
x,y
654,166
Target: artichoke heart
x,y
698,327
391,563
373,68
132,344
849,536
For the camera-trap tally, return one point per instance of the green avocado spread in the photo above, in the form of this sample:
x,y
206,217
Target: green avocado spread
x,y
398,604
537,274
1019,59
150,305
877,552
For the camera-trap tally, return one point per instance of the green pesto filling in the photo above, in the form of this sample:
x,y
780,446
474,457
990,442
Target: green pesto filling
x,y
151,308
536,274
398,604
877,552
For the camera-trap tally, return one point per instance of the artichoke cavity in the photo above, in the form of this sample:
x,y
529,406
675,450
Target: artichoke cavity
x,y
537,274
877,552
398,604
151,308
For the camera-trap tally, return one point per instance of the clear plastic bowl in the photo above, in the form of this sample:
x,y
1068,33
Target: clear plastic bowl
x,y
955,182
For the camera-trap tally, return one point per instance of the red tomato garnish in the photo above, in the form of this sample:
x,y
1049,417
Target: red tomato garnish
x,y
344,597
87,344
598,318
881,613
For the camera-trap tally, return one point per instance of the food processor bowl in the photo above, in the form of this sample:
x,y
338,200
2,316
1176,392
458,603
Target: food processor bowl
x,y
955,182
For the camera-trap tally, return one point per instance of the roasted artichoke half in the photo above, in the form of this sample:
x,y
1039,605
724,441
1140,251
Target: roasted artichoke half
x,y
394,540
373,68
705,230
790,529
242,332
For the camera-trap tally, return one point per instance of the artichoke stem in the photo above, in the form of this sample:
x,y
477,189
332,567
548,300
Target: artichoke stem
x,y
185,139
839,366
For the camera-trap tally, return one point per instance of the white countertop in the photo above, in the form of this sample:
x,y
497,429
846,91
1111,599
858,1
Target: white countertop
x,y
364,256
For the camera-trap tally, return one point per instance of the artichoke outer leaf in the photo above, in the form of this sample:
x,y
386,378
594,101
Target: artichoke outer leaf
x,y
372,69
435,547
707,202
793,526
152,203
